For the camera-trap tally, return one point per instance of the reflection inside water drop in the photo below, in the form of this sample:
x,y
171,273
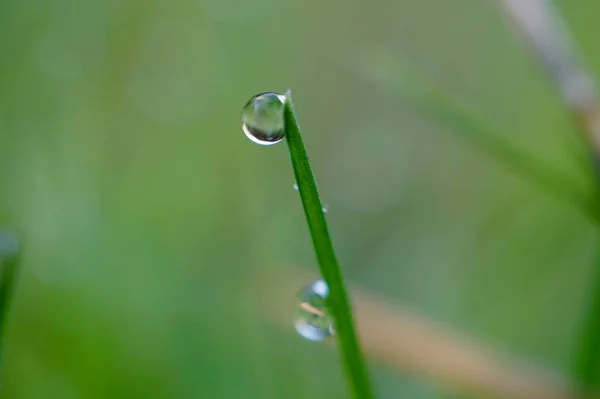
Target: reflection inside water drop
x,y
312,319
325,208
262,118
296,188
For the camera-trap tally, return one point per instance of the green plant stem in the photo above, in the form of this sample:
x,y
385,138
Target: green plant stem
x,y
338,299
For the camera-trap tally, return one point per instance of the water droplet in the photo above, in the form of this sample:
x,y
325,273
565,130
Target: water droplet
x,y
313,320
325,208
262,118
296,186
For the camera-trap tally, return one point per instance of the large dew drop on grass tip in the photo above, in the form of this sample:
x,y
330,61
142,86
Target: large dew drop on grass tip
x,y
312,319
262,118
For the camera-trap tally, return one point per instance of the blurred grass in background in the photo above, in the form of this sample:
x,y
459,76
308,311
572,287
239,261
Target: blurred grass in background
x,y
150,218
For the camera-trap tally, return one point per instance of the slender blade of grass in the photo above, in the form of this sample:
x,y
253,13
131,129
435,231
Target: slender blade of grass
x,y
339,302
9,259
587,356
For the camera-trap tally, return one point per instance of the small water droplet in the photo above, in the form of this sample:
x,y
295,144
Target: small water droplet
x,y
296,186
262,118
325,208
312,319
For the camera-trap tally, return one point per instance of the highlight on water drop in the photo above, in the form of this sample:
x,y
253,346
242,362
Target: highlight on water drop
x,y
262,118
313,320
296,188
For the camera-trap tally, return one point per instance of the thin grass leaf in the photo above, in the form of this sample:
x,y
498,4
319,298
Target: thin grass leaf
x,y
9,251
338,300
587,357
418,91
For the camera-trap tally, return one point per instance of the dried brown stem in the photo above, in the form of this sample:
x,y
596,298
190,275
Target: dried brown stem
x,y
543,28
402,340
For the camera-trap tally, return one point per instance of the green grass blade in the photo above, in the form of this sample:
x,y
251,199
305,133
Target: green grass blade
x,y
420,93
9,251
338,299
587,356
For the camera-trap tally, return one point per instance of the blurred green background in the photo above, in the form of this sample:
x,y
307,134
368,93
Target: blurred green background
x,y
149,218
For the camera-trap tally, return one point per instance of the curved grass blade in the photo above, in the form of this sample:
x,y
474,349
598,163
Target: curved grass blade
x,y
420,93
339,302
544,28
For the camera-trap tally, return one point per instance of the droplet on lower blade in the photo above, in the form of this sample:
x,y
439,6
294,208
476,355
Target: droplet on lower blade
x,y
312,319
